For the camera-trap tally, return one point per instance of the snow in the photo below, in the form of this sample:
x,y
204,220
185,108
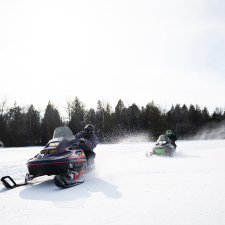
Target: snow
x,y
125,188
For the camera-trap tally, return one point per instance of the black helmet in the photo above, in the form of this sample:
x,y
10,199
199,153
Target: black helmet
x,y
89,130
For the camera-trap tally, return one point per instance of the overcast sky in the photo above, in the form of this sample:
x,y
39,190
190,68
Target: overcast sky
x,y
135,50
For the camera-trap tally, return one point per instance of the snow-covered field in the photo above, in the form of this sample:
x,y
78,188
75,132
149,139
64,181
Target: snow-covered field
x,y
125,188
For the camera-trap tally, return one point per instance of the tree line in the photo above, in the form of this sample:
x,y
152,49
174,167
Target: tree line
x,y
20,126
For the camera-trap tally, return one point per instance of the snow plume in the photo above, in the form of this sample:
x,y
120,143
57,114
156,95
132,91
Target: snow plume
x,y
211,131
123,136
134,137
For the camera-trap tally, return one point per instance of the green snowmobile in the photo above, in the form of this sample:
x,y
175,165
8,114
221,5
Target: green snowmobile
x,y
163,146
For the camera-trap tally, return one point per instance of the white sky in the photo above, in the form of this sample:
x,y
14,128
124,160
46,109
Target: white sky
x,y
138,51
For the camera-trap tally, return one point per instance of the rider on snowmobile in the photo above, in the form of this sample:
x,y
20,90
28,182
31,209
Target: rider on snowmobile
x,y
172,138
88,141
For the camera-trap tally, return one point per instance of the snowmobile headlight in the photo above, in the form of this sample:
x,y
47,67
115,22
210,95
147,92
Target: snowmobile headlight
x,y
49,151
162,142
52,151
43,151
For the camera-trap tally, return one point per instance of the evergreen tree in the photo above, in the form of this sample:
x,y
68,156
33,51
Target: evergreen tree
x,y
104,120
223,114
119,114
127,118
78,114
205,115
20,127
184,113
90,117
198,116
49,123
3,131
185,125
170,118
217,115
109,120
177,119
155,120
16,126
135,114
33,125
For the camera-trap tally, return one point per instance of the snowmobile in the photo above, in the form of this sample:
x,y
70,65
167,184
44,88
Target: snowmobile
x,y
163,146
61,157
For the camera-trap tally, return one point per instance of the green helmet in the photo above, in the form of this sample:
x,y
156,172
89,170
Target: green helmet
x,y
168,132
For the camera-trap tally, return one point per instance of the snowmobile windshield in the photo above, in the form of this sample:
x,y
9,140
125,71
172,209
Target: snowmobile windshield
x,y
63,132
163,138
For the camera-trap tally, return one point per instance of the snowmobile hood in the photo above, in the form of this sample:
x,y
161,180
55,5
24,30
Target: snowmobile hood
x,y
163,139
59,149
58,156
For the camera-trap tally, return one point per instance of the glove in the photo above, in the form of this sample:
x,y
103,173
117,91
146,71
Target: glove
x,y
82,140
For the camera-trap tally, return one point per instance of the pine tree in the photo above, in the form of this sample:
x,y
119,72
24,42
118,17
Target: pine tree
x,y
90,117
156,121
33,125
119,114
16,126
205,115
49,123
78,114
217,115
3,131
135,114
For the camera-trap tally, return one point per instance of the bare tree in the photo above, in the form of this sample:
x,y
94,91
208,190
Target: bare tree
x,y
69,108
3,105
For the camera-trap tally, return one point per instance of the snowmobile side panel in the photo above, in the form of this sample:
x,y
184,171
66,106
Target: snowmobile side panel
x,y
54,168
159,151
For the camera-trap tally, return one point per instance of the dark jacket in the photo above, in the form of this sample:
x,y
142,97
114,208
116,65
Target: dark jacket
x,y
88,144
173,138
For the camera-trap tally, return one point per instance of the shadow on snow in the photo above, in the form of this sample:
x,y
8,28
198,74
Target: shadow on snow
x,y
47,191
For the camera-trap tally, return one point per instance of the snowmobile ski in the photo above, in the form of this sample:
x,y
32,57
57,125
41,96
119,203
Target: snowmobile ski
x,y
7,184
148,154
65,181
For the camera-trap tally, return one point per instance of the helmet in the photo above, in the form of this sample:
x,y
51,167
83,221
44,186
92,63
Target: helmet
x,y
89,130
168,132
